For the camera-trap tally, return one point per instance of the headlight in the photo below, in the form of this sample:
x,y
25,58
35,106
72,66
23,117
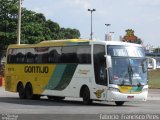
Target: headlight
x,y
113,89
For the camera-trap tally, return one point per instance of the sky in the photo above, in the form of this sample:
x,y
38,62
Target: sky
x,y
143,16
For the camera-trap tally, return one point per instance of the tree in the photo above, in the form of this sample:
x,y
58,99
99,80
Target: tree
x,y
130,37
34,28
8,22
54,29
69,33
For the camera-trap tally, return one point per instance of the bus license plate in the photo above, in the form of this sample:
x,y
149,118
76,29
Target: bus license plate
x,y
130,97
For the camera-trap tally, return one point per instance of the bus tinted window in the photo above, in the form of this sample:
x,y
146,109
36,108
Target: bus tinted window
x,y
54,55
66,54
41,58
69,55
125,51
19,58
100,64
117,51
30,58
84,54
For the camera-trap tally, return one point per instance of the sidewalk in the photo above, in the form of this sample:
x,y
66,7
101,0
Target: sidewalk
x,y
4,93
154,94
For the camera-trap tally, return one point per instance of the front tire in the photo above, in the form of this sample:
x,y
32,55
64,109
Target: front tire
x,y
86,96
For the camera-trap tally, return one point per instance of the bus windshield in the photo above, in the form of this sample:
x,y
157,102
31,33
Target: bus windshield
x,y
129,67
125,51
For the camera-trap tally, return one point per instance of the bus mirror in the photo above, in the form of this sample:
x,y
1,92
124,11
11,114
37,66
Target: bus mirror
x,y
109,61
151,65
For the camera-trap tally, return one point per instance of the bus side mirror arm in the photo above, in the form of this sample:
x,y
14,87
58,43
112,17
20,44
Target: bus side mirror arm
x,y
108,61
153,62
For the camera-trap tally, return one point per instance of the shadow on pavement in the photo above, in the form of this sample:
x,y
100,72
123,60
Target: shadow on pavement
x,y
47,102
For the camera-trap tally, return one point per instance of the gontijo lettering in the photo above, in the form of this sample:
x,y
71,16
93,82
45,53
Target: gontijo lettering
x,y
36,69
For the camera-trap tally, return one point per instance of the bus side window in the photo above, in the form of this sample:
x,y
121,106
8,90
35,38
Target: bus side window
x,y
84,54
100,64
30,58
45,58
11,58
41,58
69,54
19,58
54,57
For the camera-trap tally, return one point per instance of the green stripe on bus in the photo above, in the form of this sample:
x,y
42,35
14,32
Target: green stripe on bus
x,y
61,76
66,77
56,76
136,89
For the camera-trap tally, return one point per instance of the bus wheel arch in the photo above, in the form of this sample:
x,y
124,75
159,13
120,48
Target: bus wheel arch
x,y
85,94
29,90
21,90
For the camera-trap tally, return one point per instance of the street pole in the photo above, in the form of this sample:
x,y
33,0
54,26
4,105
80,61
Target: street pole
x,y
107,25
107,35
19,24
111,35
91,20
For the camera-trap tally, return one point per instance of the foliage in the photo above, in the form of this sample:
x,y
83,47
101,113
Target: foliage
x,y
34,28
154,76
8,22
156,50
130,37
69,33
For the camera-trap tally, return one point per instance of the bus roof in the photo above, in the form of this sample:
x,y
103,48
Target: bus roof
x,y
69,42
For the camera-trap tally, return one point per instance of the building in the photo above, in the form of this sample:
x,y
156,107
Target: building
x,y
155,56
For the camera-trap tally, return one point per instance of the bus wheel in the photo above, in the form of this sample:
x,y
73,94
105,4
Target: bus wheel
x,y
86,96
119,103
21,91
29,91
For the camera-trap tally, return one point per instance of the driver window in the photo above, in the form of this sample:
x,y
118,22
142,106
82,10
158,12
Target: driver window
x,y
100,65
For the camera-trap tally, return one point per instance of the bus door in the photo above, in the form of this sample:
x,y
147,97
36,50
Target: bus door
x,y
100,73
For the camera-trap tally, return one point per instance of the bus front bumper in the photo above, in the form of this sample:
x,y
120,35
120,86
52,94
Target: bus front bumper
x,y
118,96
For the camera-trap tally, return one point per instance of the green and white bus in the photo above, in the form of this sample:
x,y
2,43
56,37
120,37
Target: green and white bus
x,y
92,70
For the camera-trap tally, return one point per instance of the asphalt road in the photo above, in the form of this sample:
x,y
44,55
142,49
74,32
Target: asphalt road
x,y
13,108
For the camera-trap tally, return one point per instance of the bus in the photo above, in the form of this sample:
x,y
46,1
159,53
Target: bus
x,y
91,70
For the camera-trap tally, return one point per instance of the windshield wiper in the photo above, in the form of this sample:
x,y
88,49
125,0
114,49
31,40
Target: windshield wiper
x,y
125,76
130,70
130,73
139,84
